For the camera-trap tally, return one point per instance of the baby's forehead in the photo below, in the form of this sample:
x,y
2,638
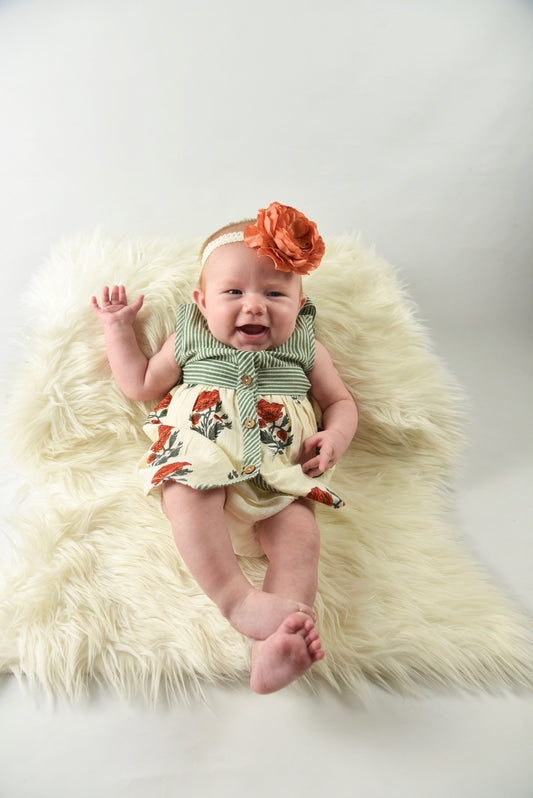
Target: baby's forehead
x,y
238,260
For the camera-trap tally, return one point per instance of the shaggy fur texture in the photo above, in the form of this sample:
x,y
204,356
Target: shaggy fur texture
x,y
95,589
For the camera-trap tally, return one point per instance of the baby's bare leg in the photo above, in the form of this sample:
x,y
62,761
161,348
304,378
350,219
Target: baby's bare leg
x,y
291,541
202,537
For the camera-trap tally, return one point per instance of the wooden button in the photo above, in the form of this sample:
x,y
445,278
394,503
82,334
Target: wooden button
x,y
249,469
246,380
249,423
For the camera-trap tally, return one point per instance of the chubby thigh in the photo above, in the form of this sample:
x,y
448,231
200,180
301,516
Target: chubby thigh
x,y
240,507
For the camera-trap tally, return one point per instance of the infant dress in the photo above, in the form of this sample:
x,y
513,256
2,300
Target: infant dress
x,y
238,419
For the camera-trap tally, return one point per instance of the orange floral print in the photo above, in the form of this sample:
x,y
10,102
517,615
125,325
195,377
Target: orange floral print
x,y
269,411
319,495
170,471
163,457
274,426
206,399
207,417
160,411
326,497
164,434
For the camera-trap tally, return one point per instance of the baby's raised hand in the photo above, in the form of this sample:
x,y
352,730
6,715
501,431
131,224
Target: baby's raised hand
x,y
115,308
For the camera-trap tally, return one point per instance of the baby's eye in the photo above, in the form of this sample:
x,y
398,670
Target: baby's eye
x,y
234,291
275,293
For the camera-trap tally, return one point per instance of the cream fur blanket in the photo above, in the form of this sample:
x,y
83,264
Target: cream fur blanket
x,y
95,589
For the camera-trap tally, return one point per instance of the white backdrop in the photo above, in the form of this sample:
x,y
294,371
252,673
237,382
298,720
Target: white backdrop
x,y
410,122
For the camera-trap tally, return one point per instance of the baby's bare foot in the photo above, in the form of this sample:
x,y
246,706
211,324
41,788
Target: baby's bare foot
x,y
285,655
259,614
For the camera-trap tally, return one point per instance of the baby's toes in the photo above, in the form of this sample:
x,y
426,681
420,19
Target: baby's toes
x,y
314,646
297,623
303,608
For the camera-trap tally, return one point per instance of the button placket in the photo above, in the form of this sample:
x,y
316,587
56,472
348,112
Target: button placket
x,y
247,405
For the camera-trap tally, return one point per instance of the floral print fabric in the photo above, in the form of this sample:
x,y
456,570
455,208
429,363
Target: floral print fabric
x,y
196,435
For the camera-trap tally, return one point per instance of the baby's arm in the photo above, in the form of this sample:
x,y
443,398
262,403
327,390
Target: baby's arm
x,y
339,416
138,376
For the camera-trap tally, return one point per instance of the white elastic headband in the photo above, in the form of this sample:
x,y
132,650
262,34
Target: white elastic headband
x,y
225,238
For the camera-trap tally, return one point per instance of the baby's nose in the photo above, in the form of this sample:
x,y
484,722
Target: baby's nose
x,y
253,303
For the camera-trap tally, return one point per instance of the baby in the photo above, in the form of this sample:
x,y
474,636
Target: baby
x,y
235,447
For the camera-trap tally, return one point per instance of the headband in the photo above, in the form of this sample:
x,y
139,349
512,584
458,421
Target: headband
x,y
226,238
282,234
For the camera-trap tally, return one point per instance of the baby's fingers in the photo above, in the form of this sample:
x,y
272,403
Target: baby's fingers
x,y
312,467
310,444
106,299
137,305
324,461
118,295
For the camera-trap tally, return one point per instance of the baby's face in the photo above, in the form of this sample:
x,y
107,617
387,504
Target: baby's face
x,y
247,303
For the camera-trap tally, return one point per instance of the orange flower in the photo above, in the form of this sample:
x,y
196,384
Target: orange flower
x,y
206,399
288,237
165,401
164,434
282,434
166,471
269,411
163,404
319,495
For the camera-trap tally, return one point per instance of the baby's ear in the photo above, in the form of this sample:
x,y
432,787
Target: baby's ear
x,y
303,300
199,298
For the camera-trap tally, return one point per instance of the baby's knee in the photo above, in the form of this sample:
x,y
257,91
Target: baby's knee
x,y
293,528
306,525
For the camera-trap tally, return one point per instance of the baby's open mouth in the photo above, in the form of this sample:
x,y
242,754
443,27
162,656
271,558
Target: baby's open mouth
x,y
253,329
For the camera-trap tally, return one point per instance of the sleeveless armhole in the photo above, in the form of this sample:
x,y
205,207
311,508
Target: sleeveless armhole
x,y
180,344
306,318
